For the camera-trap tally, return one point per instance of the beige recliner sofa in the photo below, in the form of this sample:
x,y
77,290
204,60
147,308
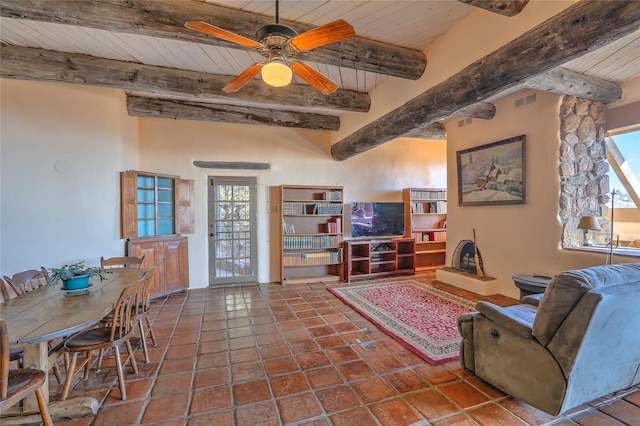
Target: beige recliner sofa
x,y
577,342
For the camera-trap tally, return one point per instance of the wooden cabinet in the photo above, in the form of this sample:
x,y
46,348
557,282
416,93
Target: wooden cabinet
x,y
426,215
154,205
155,209
170,255
366,258
311,244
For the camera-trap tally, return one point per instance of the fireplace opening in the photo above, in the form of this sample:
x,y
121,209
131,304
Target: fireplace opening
x,y
463,257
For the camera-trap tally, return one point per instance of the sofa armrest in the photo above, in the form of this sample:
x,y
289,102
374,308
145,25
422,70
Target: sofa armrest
x,y
517,318
533,299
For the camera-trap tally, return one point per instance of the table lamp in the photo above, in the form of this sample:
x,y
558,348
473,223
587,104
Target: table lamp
x,y
588,223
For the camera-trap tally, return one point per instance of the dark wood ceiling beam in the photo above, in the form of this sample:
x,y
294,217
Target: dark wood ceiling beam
x,y
579,29
430,131
180,110
566,82
166,18
503,7
481,110
26,63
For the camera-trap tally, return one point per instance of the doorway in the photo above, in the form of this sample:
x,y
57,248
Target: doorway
x,y
232,230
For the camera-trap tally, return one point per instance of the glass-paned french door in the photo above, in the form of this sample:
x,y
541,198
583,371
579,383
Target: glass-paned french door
x,y
232,230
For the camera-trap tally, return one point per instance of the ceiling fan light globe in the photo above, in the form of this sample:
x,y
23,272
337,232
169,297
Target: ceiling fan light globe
x,y
276,74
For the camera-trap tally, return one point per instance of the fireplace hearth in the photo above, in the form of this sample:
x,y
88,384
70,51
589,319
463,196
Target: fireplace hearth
x,y
462,272
464,257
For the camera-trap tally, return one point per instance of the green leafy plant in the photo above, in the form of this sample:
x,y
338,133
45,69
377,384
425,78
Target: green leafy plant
x,y
74,270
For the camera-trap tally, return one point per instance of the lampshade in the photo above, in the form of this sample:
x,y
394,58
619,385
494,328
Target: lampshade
x,y
276,73
589,222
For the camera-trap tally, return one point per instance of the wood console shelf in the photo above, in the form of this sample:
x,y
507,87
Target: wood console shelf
x,y
367,258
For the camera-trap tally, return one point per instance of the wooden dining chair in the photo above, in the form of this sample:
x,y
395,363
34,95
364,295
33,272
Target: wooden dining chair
x,y
6,291
102,338
26,281
142,314
121,262
18,383
10,291
15,354
140,317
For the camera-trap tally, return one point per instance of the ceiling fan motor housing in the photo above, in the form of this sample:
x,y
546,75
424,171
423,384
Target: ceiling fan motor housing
x,y
275,32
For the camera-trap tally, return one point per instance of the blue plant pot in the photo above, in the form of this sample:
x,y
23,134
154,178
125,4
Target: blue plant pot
x,y
75,283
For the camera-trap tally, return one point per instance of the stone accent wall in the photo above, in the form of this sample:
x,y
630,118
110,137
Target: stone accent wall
x,y
584,178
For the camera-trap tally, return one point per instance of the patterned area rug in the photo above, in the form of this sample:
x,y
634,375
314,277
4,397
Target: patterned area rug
x,y
422,318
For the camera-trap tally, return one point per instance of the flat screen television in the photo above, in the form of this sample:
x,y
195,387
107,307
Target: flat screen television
x,y
377,219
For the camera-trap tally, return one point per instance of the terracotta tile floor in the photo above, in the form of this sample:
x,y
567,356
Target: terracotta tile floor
x,y
273,355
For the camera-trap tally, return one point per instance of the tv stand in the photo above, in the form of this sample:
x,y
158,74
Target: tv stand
x,y
377,257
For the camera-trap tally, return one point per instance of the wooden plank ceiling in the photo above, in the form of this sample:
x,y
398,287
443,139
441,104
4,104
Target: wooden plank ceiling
x,y
142,47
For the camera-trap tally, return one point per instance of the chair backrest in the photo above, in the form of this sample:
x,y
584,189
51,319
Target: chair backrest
x,y
4,360
121,262
26,281
6,290
566,289
588,321
147,278
130,298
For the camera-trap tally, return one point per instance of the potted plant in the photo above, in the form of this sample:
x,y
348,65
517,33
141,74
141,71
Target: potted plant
x,y
74,276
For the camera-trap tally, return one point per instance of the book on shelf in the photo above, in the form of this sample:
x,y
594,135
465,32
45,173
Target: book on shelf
x,y
430,236
332,195
428,195
311,241
334,226
431,207
288,228
312,258
417,207
289,207
438,207
327,208
296,208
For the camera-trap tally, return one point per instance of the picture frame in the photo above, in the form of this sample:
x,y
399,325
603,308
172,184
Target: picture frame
x,y
493,174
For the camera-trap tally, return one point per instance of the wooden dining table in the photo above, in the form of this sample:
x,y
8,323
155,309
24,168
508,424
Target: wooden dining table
x,y
40,316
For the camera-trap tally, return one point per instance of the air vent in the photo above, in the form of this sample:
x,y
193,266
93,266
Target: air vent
x,y
464,122
526,100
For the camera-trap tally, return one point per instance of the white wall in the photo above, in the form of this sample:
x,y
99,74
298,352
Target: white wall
x,y
62,147
523,238
295,157
50,217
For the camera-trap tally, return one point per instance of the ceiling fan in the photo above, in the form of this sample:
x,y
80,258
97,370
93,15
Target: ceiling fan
x,y
279,44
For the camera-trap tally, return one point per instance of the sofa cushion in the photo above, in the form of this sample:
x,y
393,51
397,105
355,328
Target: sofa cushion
x,y
567,288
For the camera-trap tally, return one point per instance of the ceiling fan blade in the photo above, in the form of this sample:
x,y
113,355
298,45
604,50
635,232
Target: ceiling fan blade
x,y
245,76
324,34
314,78
212,30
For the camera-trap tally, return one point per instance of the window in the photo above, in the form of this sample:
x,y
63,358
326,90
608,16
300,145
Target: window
x,y
155,205
624,159
627,145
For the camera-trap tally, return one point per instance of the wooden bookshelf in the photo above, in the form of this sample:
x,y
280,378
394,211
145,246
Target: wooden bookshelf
x,y
376,257
426,216
311,234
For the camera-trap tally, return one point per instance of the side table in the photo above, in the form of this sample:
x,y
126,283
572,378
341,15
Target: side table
x,y
531,283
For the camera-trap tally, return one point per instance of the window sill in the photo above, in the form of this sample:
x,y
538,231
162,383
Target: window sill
x,y
617,251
